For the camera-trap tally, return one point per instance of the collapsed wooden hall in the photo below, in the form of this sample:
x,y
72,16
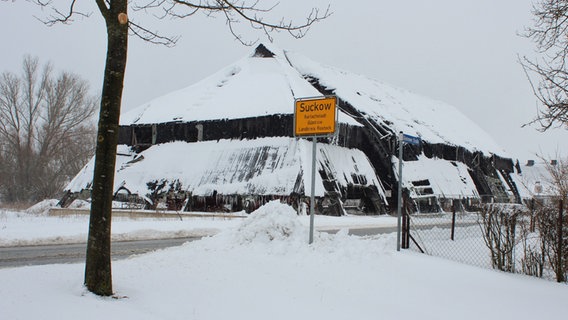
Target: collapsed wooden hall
x,y
226,143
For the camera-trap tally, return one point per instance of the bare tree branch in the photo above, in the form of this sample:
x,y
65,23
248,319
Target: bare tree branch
x,y
59,16
234,12
549,76
151,36
42,119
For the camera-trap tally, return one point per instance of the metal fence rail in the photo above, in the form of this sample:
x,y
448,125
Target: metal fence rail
x,y
532,241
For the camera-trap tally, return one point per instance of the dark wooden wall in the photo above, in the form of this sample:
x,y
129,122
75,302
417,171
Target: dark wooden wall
x,y
247,128
374,139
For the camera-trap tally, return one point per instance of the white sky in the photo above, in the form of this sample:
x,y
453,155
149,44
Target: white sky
x,y
461,52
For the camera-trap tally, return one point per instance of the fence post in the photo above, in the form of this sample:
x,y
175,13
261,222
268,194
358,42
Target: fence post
x,y
453,219
405,225
403,231
559,236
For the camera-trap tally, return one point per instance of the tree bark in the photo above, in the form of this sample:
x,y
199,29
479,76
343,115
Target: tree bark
x,y
559,240
98,277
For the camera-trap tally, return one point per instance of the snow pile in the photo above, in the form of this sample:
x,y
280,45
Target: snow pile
x,y
42,207
80,204
276,229
273,221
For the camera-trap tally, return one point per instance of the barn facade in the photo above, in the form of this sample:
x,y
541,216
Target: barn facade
x,y
228,144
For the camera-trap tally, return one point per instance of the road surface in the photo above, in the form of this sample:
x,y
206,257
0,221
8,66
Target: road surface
x,y
19,256
73,253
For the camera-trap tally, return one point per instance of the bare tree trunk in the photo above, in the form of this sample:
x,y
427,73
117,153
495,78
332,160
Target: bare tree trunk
x,y
98,266
559,241
98,278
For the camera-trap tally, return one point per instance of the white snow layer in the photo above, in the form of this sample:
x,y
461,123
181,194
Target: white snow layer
x,y
36,227
267,166
257,86
401,110
446,178
251,87
264,269
535,180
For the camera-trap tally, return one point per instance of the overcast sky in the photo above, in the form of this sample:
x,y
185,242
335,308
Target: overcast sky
x,y
464,53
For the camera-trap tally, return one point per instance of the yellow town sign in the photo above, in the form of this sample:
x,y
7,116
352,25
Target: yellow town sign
x,y
315,116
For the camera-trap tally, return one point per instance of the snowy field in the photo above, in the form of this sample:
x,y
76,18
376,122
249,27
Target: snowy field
x,y
262,268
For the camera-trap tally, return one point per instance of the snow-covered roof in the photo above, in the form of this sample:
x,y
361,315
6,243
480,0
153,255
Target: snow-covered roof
x,y
446,178
534,180
253,86
401,110
267,166
266,83
260,85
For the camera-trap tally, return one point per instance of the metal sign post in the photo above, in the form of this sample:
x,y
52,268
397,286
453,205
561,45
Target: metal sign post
x,y
313,190
402,139
399,196
314,117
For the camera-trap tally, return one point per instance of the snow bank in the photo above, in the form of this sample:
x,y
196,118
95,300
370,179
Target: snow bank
x,y
23,228
276,228
43,206
253,277
273,221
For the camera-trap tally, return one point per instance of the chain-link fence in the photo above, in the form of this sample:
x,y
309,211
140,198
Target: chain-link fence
x,y
456,237
529,239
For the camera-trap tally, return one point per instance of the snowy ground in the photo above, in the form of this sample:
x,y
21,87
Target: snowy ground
x,y
262,268
35,227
